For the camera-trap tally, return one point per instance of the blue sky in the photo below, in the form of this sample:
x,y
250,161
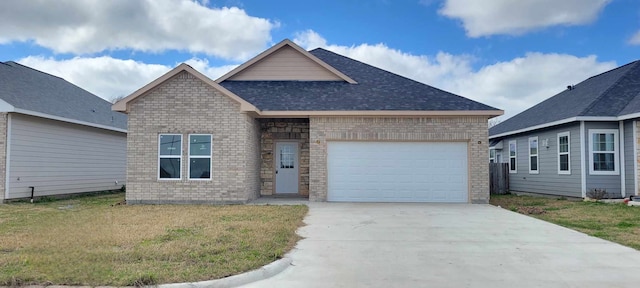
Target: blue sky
x,y
508,54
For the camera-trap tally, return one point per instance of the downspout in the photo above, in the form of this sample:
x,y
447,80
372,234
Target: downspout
x,y
7,159
635,158
583,164
623,176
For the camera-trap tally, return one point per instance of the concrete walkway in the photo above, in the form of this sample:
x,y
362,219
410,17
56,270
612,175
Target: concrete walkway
x,y
448,245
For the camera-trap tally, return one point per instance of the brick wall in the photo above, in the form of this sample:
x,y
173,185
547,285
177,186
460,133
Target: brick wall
x,y
283,129
472,130
183,105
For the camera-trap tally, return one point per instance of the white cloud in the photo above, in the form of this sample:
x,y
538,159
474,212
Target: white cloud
x,y
635,39
490,17
513,85
109,77
82,27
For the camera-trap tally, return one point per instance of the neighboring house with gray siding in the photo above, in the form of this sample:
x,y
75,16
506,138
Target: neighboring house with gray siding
x,y
583,138
56,137
304,123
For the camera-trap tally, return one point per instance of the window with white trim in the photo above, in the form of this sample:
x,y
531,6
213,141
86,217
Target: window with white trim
x,y
513,168
564,153
200,157
169,156
533,155
603,152
492,155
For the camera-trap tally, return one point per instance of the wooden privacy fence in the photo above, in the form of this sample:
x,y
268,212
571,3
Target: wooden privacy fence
x,y
499,178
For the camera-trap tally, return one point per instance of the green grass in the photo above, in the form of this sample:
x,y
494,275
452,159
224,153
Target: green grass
x,y
93,241
614,222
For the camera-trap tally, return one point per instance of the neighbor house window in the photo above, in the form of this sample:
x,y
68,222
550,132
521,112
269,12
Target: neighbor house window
x,y
564,153
603,152
200,156
170,156
533,155
512,157
492,155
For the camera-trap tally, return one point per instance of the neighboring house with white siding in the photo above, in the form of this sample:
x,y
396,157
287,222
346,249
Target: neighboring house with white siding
x,y
581,139
56,137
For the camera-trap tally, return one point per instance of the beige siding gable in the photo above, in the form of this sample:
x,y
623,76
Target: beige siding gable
x,y
286,64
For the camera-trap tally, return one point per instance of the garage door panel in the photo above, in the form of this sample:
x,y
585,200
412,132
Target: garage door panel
x,y
397,172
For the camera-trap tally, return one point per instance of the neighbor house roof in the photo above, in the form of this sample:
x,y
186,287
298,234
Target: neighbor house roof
x,y
355,88
376,89
613,95
29,91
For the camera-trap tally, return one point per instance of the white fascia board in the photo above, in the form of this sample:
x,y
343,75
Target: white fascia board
x,y
6,107
63,119
559,122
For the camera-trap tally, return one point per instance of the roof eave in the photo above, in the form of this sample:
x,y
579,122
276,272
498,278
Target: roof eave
x,y
558,122
385,113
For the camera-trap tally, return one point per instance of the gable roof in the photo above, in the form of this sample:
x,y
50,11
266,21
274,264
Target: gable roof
x,y
28,91
613,95
375,90
286,43
124,104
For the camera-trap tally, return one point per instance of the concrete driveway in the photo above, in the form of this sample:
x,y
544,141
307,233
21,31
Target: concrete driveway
x,y
448,245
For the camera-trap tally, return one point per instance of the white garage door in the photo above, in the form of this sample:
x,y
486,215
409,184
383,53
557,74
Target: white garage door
x,y
397,172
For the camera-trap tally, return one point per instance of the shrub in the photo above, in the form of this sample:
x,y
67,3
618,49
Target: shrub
x,y
597,193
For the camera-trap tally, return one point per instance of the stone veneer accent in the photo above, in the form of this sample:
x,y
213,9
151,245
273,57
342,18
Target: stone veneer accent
x,y
283,129
184,105
472,129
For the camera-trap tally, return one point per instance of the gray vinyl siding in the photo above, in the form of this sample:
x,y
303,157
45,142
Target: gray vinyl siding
x,y
612,183
547,181
629,158
62,158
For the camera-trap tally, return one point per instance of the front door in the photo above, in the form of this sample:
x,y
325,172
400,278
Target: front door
x,y
286,167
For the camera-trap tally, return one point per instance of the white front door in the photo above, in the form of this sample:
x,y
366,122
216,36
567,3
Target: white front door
x,y
286,167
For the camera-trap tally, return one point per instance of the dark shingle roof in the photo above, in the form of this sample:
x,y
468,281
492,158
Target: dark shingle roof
x,y
376,89
29,89
612,93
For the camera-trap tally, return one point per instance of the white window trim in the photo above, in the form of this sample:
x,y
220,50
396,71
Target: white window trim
x,y
210,157
568,153
492,159
170,156
616,164
515,157
537,155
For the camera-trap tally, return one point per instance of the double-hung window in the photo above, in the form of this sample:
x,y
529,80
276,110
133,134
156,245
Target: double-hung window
x,y
603,152
564,153
200,156
170,156
533,155
512,157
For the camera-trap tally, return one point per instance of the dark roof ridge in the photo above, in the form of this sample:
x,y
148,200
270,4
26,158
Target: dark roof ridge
x,y
613,86
25,66
612,70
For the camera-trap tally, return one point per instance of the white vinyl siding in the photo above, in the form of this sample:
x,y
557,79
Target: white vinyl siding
x,y
603,152
533,156
564,153
63,158
200,157
169,157
513,157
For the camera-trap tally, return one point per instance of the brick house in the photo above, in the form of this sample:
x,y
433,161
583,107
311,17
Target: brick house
x,y
310,123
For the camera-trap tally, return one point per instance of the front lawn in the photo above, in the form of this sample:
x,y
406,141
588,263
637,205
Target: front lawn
x,y
614,222
92,240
